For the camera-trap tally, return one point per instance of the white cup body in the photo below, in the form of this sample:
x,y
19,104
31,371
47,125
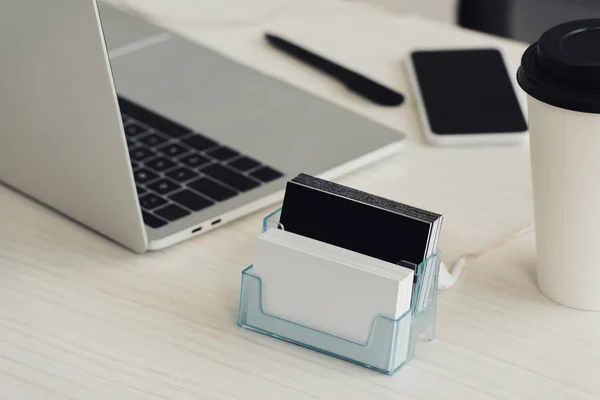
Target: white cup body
x,y
565,163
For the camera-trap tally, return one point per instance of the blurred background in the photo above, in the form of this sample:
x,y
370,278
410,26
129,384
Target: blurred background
x,y
523,20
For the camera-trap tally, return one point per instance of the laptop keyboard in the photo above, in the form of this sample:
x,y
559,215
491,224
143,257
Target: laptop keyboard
x,y
178,171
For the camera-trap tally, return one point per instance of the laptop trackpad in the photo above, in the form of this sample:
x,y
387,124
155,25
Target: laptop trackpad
x,y
121,29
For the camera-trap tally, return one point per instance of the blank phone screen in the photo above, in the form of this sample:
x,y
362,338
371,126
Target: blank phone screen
x,y
467,92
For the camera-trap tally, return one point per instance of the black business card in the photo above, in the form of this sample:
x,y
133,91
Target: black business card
x,y
358,221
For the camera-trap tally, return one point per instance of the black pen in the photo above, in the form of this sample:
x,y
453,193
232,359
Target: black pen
x,y
355,82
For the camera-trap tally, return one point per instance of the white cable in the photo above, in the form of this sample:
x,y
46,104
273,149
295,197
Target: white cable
x,y
448,278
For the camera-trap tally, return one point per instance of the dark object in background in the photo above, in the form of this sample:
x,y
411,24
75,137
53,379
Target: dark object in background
x,y
485,16
524,20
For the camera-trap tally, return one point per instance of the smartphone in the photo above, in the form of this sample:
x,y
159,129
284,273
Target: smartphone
x,y
466,97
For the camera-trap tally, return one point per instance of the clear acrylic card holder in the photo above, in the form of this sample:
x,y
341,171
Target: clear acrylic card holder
x,y
391,343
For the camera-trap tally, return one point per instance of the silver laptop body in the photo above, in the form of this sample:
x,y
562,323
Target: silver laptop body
x,y
63,143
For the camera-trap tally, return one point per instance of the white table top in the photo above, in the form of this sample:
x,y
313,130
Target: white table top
x,y
81,317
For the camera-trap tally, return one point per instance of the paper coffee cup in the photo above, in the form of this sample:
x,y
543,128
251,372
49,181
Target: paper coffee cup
x,y
561,75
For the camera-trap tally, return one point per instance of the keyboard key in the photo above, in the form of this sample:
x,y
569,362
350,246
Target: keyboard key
x,y
181,174
199,142
162,124
163,186
153,221
130,141
194,160
143,175
140,153
171,212
135,165
140,190
167,126
160,164
230,178
222,153
153,140
173,150
212,189
125,119
191,200
151,201
266,174
133,129
244,163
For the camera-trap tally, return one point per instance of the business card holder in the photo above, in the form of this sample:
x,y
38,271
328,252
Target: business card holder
x,y
391,343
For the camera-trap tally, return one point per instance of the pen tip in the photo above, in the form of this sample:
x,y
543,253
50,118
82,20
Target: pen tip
x,y
270,38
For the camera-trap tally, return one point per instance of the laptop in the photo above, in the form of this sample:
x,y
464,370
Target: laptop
x,y
149,138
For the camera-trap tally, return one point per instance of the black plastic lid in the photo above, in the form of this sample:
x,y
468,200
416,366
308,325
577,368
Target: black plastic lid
x,y
563,68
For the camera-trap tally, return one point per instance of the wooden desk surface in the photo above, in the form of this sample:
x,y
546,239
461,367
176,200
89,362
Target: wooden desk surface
x,y
83,318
